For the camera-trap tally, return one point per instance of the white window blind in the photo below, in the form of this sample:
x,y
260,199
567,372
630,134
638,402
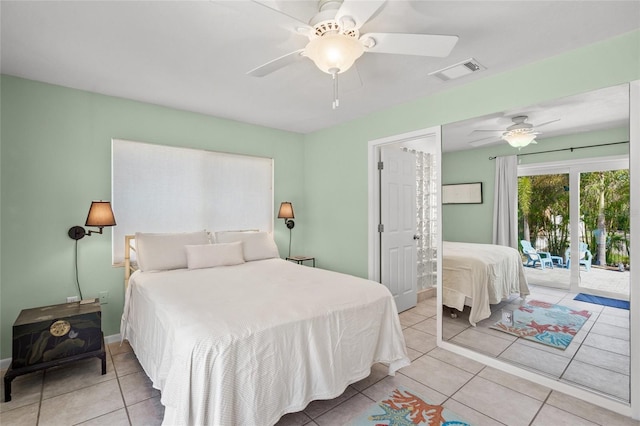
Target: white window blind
x,y
159,188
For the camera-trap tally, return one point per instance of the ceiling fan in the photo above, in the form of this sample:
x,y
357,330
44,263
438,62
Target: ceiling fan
x,y
518,135
335,42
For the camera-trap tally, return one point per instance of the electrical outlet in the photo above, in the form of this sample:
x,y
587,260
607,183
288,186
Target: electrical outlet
x,y
104,297
71,299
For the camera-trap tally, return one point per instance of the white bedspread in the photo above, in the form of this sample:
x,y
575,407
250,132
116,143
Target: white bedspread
x,y
485,273
245,344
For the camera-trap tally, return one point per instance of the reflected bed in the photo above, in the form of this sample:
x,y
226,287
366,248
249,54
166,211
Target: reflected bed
x,y
479,275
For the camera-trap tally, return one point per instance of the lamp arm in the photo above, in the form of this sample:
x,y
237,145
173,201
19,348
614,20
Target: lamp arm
x,y
78,232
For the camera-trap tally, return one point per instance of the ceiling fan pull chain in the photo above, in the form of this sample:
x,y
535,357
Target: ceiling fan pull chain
x,y
336,101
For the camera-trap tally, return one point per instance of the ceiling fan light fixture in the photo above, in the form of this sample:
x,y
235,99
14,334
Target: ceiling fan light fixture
x,y
334,51
519,138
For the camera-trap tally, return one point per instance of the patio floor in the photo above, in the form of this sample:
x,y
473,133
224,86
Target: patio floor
x,y
597,278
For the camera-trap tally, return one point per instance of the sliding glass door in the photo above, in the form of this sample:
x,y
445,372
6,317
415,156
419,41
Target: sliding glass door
x,y
577,210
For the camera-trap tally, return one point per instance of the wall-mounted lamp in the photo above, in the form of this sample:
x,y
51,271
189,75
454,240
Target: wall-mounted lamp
x,y
100,215
286,213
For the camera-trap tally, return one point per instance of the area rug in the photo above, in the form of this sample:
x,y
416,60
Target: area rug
x,y
403,407
599,300
546,323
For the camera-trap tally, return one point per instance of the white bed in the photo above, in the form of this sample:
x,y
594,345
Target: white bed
x,y
479,275
247,343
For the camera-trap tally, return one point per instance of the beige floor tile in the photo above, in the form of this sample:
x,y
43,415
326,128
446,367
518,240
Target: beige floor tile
x,y
294,419
378,372
456,360
515,383
419,341
427,326
74,376
491,399
472,416
26,415
149,412
536,359
550,415
607,343
321,406
384,387
436,374
115,418
452,329
616,312
126,363
81,405
597,378
610,330
116,348
408,318
137,387
427,310
604,359
618,321
25,390
589,411
345,412
413,354
481,342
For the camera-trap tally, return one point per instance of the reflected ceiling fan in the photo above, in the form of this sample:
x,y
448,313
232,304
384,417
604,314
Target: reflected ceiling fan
x,y
335,42
518,135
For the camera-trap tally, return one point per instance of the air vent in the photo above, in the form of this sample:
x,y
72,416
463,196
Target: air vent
x,y
458,70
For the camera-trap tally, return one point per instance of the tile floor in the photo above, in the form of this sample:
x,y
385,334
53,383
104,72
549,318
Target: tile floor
x,y
597,358
78,394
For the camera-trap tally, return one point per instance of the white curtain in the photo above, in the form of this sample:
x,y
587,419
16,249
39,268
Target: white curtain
x,y
505,202
426,187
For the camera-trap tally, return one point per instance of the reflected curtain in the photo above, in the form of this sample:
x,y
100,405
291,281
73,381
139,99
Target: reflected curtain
x,y
505,202
427,210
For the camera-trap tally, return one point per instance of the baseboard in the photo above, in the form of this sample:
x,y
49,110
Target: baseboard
x,y
427,293
5,363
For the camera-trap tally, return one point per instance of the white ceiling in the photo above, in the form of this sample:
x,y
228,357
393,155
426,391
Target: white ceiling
x,y
587,112
194,55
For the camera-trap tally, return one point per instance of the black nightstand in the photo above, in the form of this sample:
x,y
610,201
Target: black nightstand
x,y
55,335
301,259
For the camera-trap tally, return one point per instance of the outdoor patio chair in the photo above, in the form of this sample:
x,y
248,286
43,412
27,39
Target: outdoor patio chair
x,y
534,256
585,256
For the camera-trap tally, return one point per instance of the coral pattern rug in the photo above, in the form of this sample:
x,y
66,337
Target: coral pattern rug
x,y
546,323
403,407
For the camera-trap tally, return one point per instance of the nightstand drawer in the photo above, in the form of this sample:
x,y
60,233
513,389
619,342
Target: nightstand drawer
x,y
56,332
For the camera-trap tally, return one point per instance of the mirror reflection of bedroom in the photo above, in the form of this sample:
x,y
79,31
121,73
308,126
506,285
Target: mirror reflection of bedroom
x,y
557,305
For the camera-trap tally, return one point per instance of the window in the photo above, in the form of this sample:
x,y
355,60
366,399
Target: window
x,y
159,188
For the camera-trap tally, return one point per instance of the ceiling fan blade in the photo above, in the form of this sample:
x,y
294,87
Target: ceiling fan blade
x,y
289,22
411,44
357,11
486,130
276,64
545,123
484,141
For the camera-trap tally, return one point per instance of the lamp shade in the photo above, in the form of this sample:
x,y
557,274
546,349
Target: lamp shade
x,y
100,214
334,53
519,139
286,211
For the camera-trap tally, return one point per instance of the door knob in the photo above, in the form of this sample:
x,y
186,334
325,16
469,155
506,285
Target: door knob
x,y
416,237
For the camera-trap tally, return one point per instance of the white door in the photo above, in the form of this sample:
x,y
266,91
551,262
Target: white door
x,y
398,219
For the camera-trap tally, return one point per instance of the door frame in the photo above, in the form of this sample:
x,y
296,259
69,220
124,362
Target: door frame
x,y
374,190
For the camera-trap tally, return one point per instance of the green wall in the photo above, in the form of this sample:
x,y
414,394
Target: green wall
x,y
336,158
56,159
474,222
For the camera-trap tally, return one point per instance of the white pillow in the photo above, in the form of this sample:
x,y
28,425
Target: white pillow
x,y
212,255
161,252
221,234
255,245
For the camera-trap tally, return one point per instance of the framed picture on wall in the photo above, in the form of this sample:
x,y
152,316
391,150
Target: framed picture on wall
x,y
462,193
